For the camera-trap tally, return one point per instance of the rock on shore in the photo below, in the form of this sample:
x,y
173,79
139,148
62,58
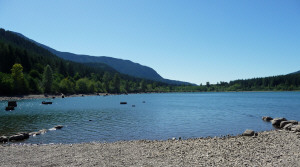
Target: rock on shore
x,y
276,121
249,132
19,136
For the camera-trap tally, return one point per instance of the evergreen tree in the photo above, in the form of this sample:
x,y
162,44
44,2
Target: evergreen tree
x,y
6,83
106,79
116,83
143,86
19,84
126,86
47,79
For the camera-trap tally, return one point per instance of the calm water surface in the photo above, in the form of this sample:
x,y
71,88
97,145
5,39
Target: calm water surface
x,y
161,117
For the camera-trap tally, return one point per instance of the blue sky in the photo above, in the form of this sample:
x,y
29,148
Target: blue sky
x,y
195,41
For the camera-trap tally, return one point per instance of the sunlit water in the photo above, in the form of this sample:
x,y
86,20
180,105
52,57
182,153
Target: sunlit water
x,y
161,117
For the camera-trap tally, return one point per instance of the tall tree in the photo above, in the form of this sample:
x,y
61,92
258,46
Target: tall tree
x,y
106,79
81,85
47,79
116,83
143,86
19,84
207,84
126,86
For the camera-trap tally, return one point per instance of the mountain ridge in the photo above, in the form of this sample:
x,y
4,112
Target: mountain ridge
x,y
297,72
127,67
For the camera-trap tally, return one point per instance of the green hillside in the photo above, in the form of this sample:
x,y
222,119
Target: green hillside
x,y
33,63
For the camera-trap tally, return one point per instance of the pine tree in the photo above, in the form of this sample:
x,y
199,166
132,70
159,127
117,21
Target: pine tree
x,y
47,79
116,83
143,86
106,79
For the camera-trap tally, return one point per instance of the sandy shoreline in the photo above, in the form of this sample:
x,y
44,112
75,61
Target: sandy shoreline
x,y
270,148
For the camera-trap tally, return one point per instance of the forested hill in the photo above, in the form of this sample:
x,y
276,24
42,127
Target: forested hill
x,y
123,66
297,72
289,82
28,68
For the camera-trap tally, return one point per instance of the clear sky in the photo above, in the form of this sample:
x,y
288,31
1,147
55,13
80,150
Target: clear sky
x,y
195,41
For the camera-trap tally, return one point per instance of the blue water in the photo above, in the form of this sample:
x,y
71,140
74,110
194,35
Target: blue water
x,y
161,117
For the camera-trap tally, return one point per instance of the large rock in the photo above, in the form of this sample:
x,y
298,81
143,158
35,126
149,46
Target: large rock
x,y
19,136
277,121
3,139
295,128
294,122
288,126
283,123
43,131
58,127
266,118
249,132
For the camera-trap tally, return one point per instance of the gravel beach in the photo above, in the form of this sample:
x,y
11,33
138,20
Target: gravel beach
x,y
270,148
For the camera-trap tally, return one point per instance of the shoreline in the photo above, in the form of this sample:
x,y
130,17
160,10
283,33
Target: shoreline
x,y
42,96
269,148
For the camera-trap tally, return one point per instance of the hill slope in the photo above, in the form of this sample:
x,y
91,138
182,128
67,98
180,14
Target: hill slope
x,y
297,72
26,67
123,66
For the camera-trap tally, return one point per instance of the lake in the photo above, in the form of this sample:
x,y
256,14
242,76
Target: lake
x,y
154,117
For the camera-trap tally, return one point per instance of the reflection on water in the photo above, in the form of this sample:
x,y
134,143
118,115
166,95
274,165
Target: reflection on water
x,y
162,116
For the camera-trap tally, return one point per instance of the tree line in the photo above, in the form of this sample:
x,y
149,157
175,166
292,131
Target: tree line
x,y
290,82
49,82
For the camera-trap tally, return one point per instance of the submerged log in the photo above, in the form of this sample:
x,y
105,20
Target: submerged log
x,y
43,131
124,102
45,102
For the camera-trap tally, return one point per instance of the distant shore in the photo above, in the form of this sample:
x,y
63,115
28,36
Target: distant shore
x,y
42,96
269,148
